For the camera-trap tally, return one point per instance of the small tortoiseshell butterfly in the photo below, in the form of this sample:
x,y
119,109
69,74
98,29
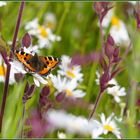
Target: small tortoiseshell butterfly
x,y
38,64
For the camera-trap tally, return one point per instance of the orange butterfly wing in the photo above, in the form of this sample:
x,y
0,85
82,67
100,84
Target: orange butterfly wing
x,y
24,57
50,63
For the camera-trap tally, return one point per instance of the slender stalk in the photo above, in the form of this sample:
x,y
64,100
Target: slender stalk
x,y
17,27
96,104
102,36
4,56
100,93
23,119
6,85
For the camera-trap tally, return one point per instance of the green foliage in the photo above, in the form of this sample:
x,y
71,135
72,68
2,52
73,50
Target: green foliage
x,y
77,26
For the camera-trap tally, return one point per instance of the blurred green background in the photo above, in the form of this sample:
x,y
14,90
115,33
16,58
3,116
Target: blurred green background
x,y
77,24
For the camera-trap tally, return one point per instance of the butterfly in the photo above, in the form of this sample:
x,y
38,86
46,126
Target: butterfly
x,y
37,64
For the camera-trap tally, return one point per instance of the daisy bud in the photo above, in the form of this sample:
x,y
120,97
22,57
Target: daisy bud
x,y
26,40
60,96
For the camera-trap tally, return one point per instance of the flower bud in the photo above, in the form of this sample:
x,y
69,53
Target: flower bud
x,y
26,40
109,50
45,91
110,40
60,96
116,52
137,16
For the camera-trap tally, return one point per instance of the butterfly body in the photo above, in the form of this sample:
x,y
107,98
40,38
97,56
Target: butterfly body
x,y
37,64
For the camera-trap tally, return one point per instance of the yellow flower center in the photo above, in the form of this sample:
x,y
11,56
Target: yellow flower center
x,y
115,21
50,25
68,92
70,74
2,71
108,127
43,31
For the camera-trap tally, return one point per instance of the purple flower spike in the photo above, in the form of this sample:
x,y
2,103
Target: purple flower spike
x,y
109,50
43,100
104,80
110,40
26,40
116,52
109,47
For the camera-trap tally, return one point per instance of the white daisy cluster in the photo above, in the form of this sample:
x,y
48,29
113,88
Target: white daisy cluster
x,y
116,91
79,125
3,3
118,29
45,38
107,125
43,33
68,78
3,69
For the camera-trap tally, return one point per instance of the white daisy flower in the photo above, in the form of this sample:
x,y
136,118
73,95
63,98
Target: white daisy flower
x,y
70,123
71,71
61,135
62,84
32,27
106,126
3,3
46,37
13,71
50,20
117,30
44,34
39,79
133,2
107,19
2,70
116,91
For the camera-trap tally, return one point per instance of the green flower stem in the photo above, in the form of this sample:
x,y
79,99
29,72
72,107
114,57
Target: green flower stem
x,y
91,80
96,104
61,22
6,85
